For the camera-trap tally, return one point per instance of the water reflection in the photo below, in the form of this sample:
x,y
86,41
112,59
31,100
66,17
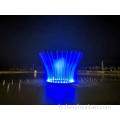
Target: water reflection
x,y
55,94
8,87
12,82
19,86
59,95
87,82
3,82
87,90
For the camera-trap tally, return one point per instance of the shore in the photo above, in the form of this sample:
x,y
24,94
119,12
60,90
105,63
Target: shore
x,y
80,72
99,73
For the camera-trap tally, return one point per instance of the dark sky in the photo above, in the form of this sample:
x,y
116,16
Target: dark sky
x,y
23,37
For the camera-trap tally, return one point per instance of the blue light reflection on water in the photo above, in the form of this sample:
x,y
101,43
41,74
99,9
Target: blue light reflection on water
x,y
62,94
59,95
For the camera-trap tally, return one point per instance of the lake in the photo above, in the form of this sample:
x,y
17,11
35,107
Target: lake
x,y
24,89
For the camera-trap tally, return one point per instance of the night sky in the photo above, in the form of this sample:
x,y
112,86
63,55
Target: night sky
x,y
23,37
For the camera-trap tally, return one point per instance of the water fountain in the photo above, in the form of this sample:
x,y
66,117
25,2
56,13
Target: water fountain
x,y
60,66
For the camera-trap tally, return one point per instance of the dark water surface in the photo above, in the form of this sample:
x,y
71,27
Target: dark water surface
x,y
24,89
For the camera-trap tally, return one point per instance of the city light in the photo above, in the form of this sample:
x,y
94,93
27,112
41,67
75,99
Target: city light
x,y
61,65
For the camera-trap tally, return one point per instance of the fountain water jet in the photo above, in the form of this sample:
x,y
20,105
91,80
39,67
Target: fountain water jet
x,y
60,66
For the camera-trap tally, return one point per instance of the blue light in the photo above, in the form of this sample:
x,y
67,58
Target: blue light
x,y
56,95
60,66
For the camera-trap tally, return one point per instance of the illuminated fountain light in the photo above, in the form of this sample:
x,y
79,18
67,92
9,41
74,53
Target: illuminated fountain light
x,y
60,66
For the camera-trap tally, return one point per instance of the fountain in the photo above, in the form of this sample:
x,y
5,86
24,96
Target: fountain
x,y
61,65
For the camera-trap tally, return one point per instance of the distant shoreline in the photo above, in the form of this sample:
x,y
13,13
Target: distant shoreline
x,y
99,73
82,72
